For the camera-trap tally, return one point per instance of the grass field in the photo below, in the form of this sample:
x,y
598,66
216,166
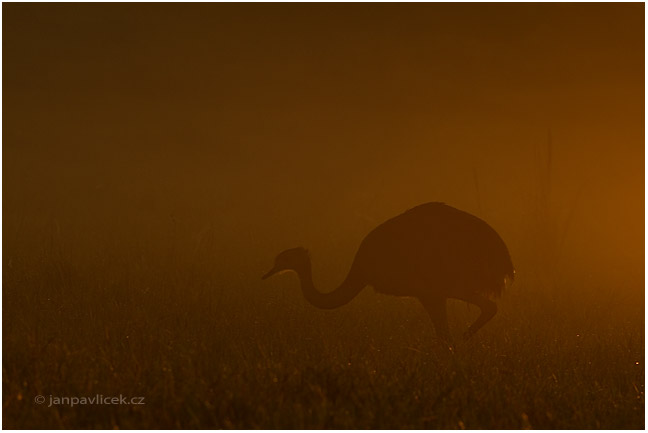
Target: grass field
x,y
212,352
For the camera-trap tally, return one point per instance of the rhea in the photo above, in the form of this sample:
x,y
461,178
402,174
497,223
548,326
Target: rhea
x,y
432,252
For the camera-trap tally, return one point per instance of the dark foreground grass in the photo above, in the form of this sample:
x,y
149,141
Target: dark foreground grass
x,y
208,353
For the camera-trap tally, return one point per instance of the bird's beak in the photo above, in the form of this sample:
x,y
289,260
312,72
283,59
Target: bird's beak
x,y
270,273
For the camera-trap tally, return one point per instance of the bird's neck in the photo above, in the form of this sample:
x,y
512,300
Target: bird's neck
x,y
348,290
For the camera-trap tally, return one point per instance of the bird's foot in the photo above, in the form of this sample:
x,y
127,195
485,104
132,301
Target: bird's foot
x,y
446,344
468,334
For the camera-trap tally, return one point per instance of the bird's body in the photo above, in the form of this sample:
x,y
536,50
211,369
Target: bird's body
x,y
433,249
432,252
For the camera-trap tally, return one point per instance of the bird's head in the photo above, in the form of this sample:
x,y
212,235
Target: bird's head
x,y
293,259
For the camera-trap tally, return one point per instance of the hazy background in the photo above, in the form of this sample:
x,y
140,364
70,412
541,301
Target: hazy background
x,y
191,143
279,125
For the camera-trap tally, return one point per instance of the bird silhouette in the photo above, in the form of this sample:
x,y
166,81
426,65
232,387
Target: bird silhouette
x,y
432,252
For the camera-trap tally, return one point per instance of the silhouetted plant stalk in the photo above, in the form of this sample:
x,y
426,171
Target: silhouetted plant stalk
x,y
477,194
547,232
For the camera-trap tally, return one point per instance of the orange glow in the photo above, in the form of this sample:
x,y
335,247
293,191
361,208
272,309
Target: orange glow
x,y
157,157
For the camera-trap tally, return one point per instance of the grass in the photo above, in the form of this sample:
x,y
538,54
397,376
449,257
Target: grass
x,y
216,348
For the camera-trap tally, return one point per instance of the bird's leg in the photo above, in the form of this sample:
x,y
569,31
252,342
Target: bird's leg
x,y
436,308
488,309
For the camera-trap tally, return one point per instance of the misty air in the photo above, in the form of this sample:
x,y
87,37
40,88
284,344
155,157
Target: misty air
x,y
323,216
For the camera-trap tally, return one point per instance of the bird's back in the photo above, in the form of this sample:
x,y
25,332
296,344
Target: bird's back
x,y
437,246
